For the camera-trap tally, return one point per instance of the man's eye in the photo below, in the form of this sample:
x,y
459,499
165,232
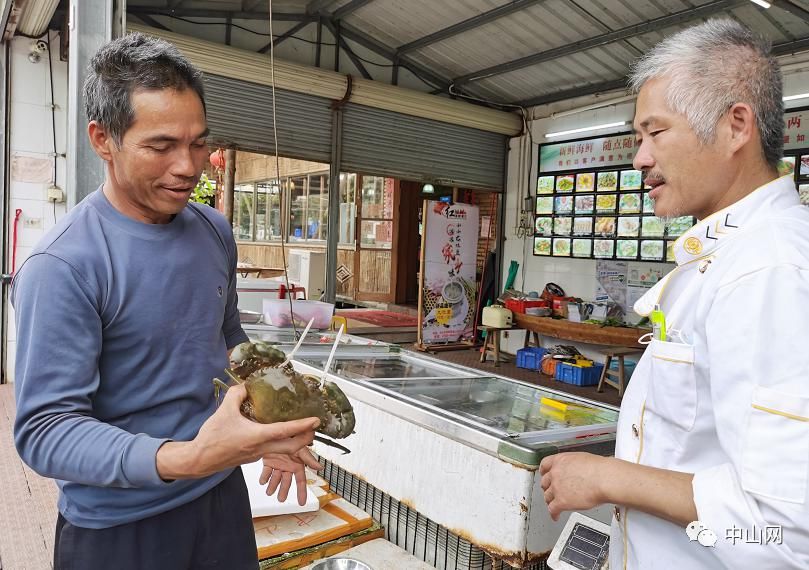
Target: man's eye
x,y
655,133
200,144
159,148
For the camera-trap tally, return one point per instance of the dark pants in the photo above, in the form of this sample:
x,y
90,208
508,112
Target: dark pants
x,y
214,531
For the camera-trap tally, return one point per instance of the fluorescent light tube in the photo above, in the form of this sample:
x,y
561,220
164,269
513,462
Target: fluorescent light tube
x,y
761,3
585,129
798,96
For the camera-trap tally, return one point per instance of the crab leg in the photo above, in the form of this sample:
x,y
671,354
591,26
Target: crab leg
x,y
330,443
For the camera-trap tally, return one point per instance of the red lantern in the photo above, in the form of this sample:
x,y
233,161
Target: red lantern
x,y
217,158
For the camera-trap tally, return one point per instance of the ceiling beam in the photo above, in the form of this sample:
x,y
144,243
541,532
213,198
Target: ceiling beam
x,y
379,48
149,21
590,89
285,36
466,25
792,8
345,10
317,6
222,14
789,48
657,24
782,49
349,52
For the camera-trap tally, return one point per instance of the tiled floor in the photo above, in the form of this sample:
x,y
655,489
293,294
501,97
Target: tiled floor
x,y
27,502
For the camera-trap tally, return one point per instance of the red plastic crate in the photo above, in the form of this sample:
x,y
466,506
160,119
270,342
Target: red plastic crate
x,y
519,305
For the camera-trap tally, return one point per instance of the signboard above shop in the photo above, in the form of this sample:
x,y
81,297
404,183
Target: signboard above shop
x,y
796,130
620,149
587,153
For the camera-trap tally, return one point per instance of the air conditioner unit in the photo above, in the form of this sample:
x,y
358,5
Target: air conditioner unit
x,y
308,270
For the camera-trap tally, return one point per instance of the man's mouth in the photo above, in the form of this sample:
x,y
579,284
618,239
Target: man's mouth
x,y
654,182
179,189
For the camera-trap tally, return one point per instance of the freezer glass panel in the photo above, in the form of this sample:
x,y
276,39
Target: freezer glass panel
x,y
383,366
500,405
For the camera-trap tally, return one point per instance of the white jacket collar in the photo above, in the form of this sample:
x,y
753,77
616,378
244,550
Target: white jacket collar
x,y
706,235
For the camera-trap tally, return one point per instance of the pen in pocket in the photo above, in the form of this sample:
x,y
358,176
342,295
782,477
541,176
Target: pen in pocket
x,y
658,320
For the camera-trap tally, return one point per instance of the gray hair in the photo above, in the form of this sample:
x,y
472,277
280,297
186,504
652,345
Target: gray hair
x,y
713,66
128,64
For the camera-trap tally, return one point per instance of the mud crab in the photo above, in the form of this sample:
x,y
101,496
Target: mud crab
x,y
276,392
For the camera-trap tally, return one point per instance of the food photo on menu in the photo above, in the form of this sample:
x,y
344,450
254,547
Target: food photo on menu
x,y
584,182
607,181
545,185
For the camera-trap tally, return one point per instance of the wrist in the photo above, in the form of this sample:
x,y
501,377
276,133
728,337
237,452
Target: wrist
x,y
610,481
178,460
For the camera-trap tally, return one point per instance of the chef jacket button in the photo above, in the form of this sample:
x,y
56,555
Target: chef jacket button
x,y
635,430
617,512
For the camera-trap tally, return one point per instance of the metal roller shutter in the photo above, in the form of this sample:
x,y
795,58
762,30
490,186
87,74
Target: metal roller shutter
x,y
240,113
377,141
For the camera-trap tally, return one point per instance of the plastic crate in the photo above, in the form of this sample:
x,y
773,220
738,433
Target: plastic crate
x,y
579,375
629,368
530,357
519,305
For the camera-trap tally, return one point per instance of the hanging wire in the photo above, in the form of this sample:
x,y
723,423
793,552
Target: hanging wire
x,y
281,204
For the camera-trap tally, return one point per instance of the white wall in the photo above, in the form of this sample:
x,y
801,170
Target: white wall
x,y
31,154
578,276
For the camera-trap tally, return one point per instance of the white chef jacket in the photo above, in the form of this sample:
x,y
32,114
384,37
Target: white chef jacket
x,y
727,396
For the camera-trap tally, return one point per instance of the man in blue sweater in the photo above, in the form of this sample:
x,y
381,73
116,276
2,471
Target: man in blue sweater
x,y
125,312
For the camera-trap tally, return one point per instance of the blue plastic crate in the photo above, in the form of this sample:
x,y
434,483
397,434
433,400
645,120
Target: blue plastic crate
x,y
530,357
578,375
629,367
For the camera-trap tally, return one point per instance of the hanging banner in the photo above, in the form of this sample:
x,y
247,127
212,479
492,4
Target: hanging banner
x,y
448,284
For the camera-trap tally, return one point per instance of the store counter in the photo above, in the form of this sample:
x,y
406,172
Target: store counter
x,y
581,332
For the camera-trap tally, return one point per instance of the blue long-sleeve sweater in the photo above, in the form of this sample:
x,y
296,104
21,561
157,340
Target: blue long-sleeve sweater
x,y
121,327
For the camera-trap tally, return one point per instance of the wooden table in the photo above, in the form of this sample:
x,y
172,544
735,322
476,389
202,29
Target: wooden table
x,y
581,332
263,272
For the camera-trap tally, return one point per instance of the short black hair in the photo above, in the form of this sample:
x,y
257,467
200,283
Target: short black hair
x,y
130,63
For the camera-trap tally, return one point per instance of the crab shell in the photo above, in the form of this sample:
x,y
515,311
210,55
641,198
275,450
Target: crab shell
x,y
278,394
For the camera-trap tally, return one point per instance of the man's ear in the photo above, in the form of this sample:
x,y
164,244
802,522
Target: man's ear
x,y
101,140
742,125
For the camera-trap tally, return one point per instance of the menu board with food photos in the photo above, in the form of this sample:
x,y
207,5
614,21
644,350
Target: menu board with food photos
x,y
603,214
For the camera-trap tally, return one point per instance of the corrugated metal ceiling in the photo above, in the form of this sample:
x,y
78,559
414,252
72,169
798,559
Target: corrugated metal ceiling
x,y
537,51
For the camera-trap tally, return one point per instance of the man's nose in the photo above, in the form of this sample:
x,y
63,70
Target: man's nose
x,y
643,157
183,164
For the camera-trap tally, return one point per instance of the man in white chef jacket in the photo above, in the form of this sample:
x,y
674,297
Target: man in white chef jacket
x,y
714,427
